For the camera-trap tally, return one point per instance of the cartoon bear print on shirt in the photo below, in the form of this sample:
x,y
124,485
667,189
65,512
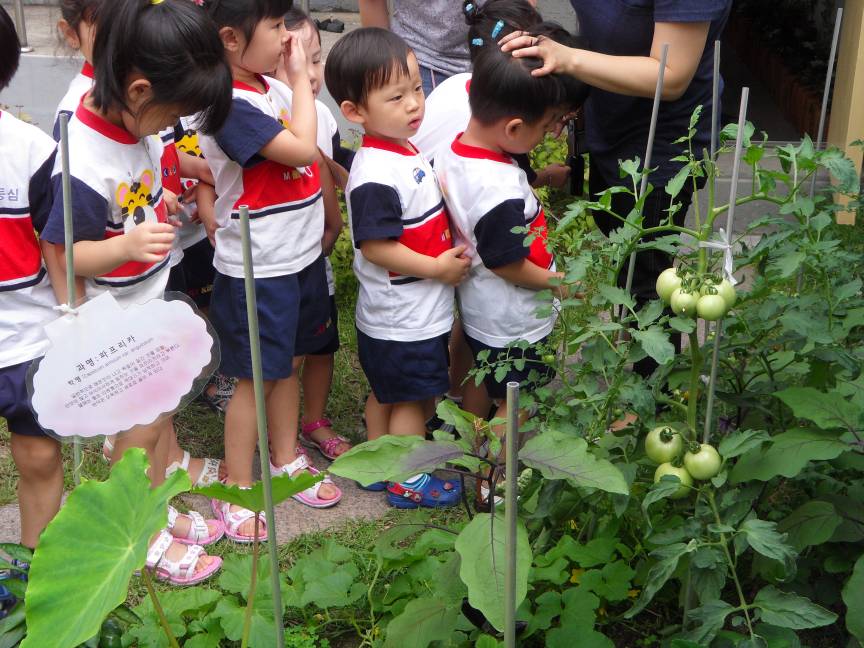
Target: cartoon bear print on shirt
x,y
187,141
136,201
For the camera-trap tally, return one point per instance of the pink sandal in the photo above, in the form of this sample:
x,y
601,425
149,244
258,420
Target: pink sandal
x,y
327,447
231,521
199,530
179,572
309,497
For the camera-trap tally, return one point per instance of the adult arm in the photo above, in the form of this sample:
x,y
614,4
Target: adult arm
x,y
373,13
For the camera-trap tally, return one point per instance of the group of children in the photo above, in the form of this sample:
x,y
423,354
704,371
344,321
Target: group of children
x,y
181,114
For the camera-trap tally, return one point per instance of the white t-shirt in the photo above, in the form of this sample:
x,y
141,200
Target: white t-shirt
x,y
186,142
116,185
78,87
26,297
392,193
488,195
286,211
447,114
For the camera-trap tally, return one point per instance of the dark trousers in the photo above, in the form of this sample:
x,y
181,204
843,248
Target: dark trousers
x,y
649,263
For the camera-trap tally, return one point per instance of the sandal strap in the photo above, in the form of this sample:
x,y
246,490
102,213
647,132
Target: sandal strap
x,y
156,551
172,517
177,465
209,473
329,445
199,527
233,519
308,428
300,463
185,567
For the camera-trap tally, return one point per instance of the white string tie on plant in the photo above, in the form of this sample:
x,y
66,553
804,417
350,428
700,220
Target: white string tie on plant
x,y
721,241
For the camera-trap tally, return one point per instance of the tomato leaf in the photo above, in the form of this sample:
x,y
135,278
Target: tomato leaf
x,y
786,455
763,537
709,618
655,342
828,410
788,610
667,561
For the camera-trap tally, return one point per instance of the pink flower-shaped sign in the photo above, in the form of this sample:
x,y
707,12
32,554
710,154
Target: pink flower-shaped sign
x,y
109,369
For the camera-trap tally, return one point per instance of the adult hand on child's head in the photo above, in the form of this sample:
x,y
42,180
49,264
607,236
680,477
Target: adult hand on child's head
x,y
555,56
453,267
148,242
293,62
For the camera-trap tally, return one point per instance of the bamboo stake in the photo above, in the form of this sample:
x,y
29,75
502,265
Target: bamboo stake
x,y
69,242
715,100
655,110
730,215
512,467
261,416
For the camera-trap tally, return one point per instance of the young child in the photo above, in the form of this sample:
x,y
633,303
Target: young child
x,y
488,195
405,261
266,157
316,430
26,160
122,237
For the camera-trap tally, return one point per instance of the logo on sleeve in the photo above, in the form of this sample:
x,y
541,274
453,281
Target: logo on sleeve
x,y
136,201
419,174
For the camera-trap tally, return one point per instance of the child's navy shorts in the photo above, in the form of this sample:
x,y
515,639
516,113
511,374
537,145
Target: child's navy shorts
x,y
333,345
316,327
543,373
194,274
402,372
14,402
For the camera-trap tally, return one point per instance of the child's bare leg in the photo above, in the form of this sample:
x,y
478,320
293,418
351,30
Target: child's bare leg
x,y
146,437
377,418
283,416
461,361
175,455
408,419
317,380
40,483
475,399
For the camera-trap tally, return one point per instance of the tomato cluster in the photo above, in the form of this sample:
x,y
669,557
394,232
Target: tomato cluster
x,y
664,445
689,294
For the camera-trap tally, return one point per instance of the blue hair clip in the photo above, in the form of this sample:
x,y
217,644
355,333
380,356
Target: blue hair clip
x,y
469,8
497,28
478,42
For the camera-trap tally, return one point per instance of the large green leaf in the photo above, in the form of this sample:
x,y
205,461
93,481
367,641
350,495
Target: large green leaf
x,y
853,597
325,578
88,552
786,455
655,342
284,486
577,622
176,604
810,524
393,458
667,560
788,610
762,535
481,548
563,456
738,443
828,410
423,621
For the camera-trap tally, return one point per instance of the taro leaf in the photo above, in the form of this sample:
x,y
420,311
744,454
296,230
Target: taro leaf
x,y
667,560
827,410
655,342
231,610
788,610
763,537
393,458
738,443
75,579
853,597
481,547
709,619
423,621
810,524
284,486
786,455
563,456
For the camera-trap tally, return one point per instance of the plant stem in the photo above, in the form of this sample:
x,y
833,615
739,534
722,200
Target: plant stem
x,y
157,606
695,368
741,599
247,619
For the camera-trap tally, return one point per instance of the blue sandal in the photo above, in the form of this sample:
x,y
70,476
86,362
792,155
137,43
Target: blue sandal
x,y
429,491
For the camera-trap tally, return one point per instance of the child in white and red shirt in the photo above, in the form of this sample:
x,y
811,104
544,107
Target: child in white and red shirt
x,y
405,261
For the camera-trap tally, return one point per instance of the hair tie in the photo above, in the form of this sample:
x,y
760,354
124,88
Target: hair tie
x,y
469,8
495,30
477,42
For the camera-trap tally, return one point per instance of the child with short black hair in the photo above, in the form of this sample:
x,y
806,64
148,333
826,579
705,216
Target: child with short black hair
x,y
114,162
489,197
405,261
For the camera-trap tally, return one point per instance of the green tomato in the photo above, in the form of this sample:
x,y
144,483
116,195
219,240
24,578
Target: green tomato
x,y
663,444
549,358
725,289
683,303
711,307
703,464
667,282
682,475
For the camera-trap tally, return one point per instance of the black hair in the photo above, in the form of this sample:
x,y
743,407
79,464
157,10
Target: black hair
x,y
295,18
482,21
75,12
175,46
575,90
10,49
362,61
245,14
502,87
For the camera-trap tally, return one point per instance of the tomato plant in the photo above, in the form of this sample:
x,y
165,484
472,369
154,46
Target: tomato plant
x,y
663,444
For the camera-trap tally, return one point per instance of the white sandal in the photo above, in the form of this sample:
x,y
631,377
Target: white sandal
x,y
199,530
179,572
232,520
309,497
209,474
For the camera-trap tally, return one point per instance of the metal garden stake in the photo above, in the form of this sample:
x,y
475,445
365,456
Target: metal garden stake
x,y
261,417
69,242
512,467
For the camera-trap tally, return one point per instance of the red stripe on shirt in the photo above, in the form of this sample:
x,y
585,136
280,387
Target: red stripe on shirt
x,y
20,257
538,252
269,183
431,238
